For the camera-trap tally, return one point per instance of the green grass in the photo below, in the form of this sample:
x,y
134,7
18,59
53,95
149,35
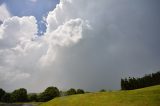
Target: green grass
x,y
149,96
32,103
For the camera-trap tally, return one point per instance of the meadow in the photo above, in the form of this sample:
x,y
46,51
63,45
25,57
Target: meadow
x,y
149,96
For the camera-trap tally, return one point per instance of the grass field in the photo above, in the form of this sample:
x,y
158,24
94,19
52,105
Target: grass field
x,y
149,96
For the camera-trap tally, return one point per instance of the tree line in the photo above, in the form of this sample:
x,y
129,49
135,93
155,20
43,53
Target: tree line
x,y
145,81
21,95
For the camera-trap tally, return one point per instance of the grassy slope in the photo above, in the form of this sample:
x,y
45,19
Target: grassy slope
x,y
149,96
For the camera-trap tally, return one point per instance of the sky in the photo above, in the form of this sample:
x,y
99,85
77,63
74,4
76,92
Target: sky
x,y
77,43
36,8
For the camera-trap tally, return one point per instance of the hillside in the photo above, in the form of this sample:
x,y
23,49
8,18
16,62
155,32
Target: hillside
x,y
149,96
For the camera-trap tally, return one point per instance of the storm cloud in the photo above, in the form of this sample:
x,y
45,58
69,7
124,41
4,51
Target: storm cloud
x,y
87,44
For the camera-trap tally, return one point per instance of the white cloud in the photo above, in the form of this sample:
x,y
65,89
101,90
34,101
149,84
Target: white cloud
x,y
15,44
4,12
68,33
22,52
16,30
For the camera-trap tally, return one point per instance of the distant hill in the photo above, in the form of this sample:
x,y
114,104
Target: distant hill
x,y
149,96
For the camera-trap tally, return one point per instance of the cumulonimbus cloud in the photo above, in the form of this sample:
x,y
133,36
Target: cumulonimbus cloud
x,y
88,44
23,51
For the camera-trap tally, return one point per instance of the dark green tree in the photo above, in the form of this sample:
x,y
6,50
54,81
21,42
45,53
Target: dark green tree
x,y
80,91
2,92
102,90
32,97
145,81
48,94
19,95
40,98
122,84
71,91
6,98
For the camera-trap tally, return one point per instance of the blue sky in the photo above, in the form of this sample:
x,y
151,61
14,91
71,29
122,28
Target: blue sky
x,y
37,8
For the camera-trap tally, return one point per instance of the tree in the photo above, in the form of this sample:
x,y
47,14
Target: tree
x,y
6,98
2,92
80,91
19,95
40,97
63,93
48,94
122,84
145,81
71,91
32,97
102,90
